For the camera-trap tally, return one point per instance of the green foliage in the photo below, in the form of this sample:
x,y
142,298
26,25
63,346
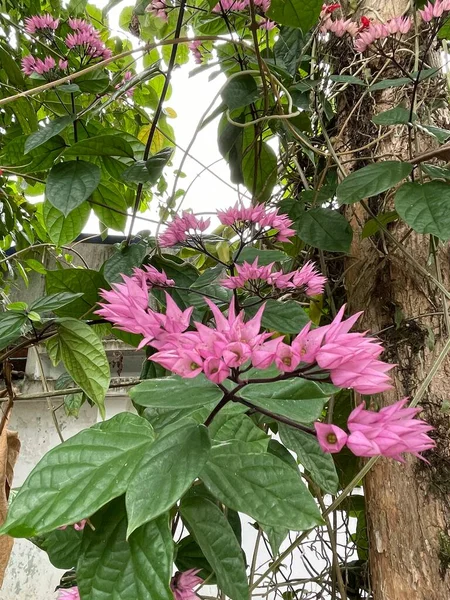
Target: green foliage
x,y
240,91
77,281
372,180
175,392
69,184
325,229
425,207
295,13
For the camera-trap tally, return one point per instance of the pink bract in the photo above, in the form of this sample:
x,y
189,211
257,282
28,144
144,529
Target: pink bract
x,y
183,584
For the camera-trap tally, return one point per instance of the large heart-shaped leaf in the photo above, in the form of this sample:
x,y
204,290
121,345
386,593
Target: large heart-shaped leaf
x,y
261,485
165,473
63,229
372,180
425,208
69,184
78,477
176,392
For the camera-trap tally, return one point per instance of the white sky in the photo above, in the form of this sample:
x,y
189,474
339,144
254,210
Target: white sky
x,y
190,98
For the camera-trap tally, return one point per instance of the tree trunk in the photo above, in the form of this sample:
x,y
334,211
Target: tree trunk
x,y
408,506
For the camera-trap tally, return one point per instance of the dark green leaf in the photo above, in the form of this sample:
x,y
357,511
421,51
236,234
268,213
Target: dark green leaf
x,y
228,427
425,208
218,542
259,168
137,172
110,206
101,145
295,13
176,392
94,82
326,229
62,547
75,281
112,566
240,91
297,399
372,180
81,475
123,262
156,163
69,184
288,48
347,79
312,457
166,471
54,301
260,485
11,324
372,226
40,136
84,357
65,229
190,556
283,317
73,404
394,116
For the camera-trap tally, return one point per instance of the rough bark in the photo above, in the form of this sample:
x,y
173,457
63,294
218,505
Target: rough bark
x,y
408,506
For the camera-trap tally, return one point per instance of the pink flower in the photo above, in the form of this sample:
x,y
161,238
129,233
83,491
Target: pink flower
x,y
158,8
87,40
182,228
330,437
28,64
77,526
183,584
241,219
267,24
80,25
69,594
37,22
391,432
309,278
328,9
287,358
216,370
127,76
62,64
247,272
399,25
194,48
340,27
263,4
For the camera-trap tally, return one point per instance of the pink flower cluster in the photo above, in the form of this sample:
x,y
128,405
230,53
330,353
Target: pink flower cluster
x,y
194,48
241,218
351,359
126,78
158,8
183,584
31,65
69,594
128,302
307,278
38,22
435,10
181,228
86,38
381,31
390,432
238,5
267,24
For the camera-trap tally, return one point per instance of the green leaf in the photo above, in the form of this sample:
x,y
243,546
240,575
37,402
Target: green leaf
x,y
85,359
295,13
137,173
101,145
297,399
176,392
240,91
276,536
265,257
260,485
283,317
326,229
62,547
69,184
94,82
218,542
36,266
72,481
189,555
65,229
347,79
372,226
73,404
75,281
372,180
312,457
156,163
110,206
259,168
110,566
238,427
288,48
42,135
394,116
11,324
165,473
123,261
425,208
401,81
54,301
